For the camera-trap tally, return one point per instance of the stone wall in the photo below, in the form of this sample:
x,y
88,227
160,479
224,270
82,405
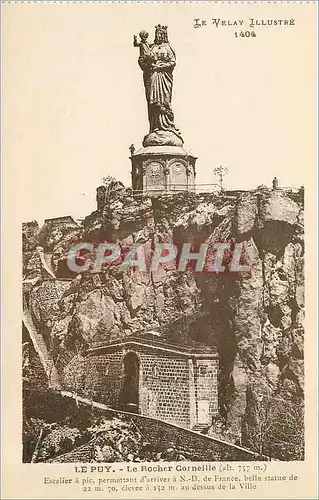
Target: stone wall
x,y
166,435
165,388
208,448
60,222
206,389
33,375
104,374
171,387
45,300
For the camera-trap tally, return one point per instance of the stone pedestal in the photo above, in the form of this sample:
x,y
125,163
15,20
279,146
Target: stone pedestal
x,y
162,169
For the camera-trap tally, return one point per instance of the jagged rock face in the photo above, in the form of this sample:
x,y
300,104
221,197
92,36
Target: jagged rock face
x,y
255,318
30,231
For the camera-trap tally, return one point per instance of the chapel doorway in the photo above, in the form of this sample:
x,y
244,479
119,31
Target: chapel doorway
x,y
129,398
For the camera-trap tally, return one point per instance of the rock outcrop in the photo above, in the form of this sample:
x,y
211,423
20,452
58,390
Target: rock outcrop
x,y
254,318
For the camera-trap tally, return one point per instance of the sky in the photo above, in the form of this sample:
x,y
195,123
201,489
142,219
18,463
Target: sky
x,y
74,98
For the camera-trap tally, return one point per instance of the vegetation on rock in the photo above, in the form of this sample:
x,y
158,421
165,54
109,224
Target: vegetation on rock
x,y
255,319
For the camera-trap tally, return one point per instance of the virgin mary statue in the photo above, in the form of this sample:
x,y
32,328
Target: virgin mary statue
x,y
157,61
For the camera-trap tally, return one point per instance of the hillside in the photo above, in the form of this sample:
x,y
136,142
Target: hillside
x,y
255,319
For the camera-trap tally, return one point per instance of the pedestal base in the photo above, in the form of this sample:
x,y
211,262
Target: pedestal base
x,y
163,169
163,138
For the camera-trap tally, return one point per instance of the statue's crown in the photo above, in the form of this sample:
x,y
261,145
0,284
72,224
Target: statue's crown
x,y
161,27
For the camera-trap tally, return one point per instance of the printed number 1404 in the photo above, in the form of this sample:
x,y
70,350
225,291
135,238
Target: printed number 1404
x,y
245,34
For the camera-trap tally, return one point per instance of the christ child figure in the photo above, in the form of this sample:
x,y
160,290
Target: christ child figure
x,y
145,48
145,57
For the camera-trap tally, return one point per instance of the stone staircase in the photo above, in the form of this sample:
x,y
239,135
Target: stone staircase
x,y
46,259
42,351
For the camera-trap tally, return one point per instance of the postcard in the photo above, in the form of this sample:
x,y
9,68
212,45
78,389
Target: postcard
x,y
159,292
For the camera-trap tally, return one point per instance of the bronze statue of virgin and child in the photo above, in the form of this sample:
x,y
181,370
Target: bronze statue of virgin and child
x,y
157,61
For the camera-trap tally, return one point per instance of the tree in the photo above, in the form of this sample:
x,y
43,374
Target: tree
x,y
275,427
220,172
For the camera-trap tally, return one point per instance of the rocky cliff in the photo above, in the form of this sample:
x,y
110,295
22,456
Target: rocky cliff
x,y
254,318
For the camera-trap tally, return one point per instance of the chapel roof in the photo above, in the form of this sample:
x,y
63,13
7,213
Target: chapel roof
x,y
152,339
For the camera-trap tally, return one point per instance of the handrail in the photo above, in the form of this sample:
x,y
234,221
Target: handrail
x,y
202,188
146,418
176,188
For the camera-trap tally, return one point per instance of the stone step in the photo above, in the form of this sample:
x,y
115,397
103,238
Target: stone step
x,y
46,261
